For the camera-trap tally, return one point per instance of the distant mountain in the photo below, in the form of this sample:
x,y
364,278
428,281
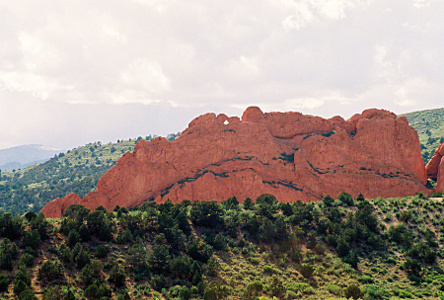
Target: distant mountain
x,y
23,156
430,127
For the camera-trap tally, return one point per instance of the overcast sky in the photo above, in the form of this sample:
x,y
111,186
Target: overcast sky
x,y
74,72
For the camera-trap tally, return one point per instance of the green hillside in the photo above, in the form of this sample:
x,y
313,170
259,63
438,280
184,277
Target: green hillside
x,y
354,248
76,171
430,127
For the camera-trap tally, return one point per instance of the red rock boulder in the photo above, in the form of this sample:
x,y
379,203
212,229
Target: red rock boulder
x,y
56,207
435,168
290,155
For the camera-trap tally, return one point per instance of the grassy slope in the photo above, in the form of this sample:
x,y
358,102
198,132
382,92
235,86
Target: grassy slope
x,y
430,127
379,274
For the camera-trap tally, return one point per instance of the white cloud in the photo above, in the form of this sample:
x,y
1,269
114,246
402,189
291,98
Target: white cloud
x,y
243,67
131,96
318,56
38,54
112,31
26,82
422,3
333,9
391,67
406,102
160,5
412,91
307,104
305,12
304,103
300,17
147,75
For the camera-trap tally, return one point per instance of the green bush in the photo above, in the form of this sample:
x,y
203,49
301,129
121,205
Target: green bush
x,y
27,260
424,252
231,203
365,279
20,286
436,194
376,292
220,242
181,267
353,291
102,251
346,199
97,291
6,261
212,267
206,213
51,270
81,255
343,248
159,259
73,238
306,271
86,276
276,287
248,204
421,195
23,275
32,240
215,292
300,287
4,282
27,294
198,250
117,276
185,293
51,293
328,200
158,282
334,289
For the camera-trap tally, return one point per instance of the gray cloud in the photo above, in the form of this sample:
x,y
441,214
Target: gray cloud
x,y
74,72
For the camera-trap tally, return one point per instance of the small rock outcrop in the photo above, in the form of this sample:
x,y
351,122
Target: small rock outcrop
x,y
435,168
56,207
290,155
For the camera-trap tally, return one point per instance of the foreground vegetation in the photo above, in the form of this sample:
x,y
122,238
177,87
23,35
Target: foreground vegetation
x,y
369,249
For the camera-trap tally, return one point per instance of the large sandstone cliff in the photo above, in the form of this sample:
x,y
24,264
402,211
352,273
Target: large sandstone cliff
x,y
290,155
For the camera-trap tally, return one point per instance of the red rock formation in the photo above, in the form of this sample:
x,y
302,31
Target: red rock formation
x,y
435,168
56,207
290,155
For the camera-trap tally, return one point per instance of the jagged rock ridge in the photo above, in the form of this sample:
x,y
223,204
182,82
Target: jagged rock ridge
x,y
290,155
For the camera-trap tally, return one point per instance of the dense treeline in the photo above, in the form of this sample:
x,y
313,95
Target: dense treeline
x,y
195,250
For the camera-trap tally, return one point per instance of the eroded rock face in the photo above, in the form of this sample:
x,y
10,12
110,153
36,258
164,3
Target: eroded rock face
x,y
290,155
56,207
435,168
